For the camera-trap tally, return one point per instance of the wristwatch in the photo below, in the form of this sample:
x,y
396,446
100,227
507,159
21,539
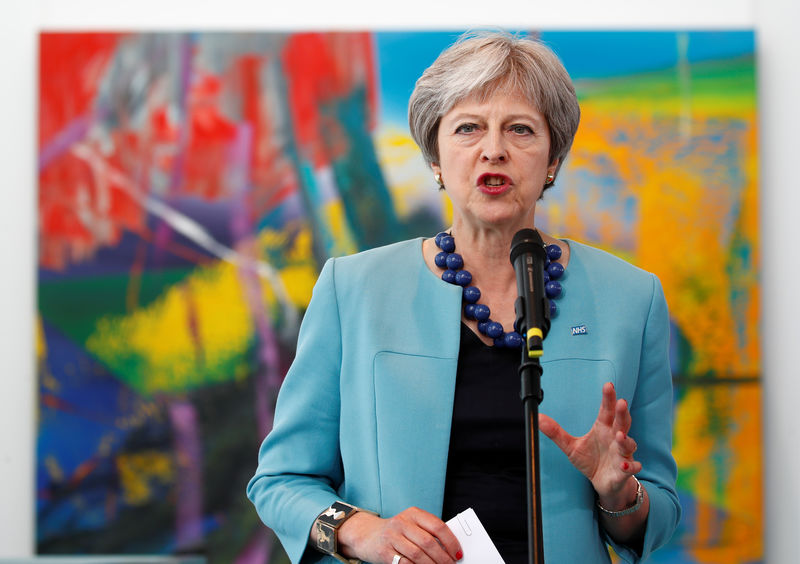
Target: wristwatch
x,y
628,510
327,525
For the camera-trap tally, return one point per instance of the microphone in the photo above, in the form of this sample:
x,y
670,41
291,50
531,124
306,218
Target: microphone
x,y
533,311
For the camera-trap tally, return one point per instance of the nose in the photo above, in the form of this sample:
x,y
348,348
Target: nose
x,y
494,149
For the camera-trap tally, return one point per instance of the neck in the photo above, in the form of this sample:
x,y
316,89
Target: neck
x,y
486,251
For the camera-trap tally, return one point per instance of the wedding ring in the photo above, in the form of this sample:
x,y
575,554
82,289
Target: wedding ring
x,y
396,559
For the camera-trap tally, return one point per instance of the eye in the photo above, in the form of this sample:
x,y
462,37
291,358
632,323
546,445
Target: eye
x,y
521,129
466,128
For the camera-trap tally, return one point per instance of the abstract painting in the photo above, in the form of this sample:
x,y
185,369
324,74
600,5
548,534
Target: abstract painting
x,y
191,185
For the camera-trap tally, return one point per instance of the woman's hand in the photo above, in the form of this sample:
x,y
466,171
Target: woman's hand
x,y
605,454
417,536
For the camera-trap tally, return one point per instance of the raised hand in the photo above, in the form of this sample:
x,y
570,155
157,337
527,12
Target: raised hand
x,y
415,535
605,454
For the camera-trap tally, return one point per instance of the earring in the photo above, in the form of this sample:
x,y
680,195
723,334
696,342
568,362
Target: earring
x,y
550,178
438,178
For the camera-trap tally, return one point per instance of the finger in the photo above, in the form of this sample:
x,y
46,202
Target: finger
x,y
626,445
622,416
606,413
426,546
409,552
555,432
630,466
445,540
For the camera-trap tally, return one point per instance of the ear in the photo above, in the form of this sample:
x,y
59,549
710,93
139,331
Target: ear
x,y
436,168
551,168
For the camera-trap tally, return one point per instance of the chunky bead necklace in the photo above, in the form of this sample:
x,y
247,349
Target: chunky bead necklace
x,y
453,265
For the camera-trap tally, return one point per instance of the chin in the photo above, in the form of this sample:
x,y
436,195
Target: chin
x,y
503,220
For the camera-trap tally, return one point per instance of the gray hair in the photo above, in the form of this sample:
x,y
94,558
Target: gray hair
x,y
483,63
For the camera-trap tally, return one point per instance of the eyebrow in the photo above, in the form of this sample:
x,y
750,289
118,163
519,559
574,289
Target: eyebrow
x,y
512,117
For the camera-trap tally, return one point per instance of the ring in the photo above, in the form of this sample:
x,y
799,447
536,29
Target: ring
x,y
396,559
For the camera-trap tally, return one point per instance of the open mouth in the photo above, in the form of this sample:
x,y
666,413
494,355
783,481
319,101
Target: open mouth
x,y
493,182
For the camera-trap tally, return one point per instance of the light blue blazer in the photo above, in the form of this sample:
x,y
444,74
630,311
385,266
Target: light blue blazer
x,y
365,411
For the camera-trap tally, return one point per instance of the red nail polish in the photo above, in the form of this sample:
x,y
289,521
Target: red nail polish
x,y
625,466
459,555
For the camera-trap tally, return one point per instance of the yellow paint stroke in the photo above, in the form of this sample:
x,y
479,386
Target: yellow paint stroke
x,y
678,229
46,379
718,446
341,236
411,180
139,471
198,331
41,342
299,272
201,322
54,469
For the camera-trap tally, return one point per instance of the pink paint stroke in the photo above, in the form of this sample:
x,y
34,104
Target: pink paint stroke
x,y
74,132
189,483
268,376
257,550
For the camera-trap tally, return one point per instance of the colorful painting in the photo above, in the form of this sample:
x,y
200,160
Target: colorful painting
x,y
192,184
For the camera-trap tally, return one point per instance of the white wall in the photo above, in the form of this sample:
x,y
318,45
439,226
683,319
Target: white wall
x,y
779,92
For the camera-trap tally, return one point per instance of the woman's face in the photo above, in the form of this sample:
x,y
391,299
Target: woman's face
x,y
493,159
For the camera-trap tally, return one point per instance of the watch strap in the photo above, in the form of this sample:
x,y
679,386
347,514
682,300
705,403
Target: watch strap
x,y
327,524
337,514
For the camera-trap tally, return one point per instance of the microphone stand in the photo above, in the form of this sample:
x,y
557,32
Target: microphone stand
x,y
531,393
533,323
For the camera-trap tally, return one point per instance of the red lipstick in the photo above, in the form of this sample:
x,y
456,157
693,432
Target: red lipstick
x,y
493,184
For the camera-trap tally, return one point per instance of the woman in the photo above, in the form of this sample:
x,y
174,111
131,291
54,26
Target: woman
x,y
402,409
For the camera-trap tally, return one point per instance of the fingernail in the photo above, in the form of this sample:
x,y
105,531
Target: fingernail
x,y
459,555
625,466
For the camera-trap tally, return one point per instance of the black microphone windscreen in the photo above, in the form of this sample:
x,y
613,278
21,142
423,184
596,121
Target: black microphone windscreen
x,y
526,241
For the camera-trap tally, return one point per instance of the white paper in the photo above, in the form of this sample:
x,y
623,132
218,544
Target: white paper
x,y
476,545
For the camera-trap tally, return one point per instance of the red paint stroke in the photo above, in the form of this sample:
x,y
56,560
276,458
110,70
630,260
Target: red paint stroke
x,y
70,68
193,324
80,209
271,171
321,68
250,69
55,402
210,136
83,207
83,470
133,291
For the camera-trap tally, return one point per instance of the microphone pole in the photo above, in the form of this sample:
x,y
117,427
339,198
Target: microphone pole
x,y
532,322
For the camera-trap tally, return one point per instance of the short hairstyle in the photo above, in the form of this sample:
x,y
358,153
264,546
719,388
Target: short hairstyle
x,y
483,63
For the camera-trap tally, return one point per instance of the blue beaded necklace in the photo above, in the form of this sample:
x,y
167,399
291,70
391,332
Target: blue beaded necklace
x,y
453,265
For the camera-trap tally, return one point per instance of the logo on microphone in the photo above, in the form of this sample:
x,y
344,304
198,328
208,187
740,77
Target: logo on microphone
x,y
579,330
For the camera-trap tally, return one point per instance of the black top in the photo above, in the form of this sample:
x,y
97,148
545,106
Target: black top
x,y
486,460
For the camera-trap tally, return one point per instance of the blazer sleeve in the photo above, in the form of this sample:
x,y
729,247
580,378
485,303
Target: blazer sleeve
x,y
299,464
652,414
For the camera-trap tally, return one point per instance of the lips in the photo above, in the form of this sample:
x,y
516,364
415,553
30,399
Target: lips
x,y
493,183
